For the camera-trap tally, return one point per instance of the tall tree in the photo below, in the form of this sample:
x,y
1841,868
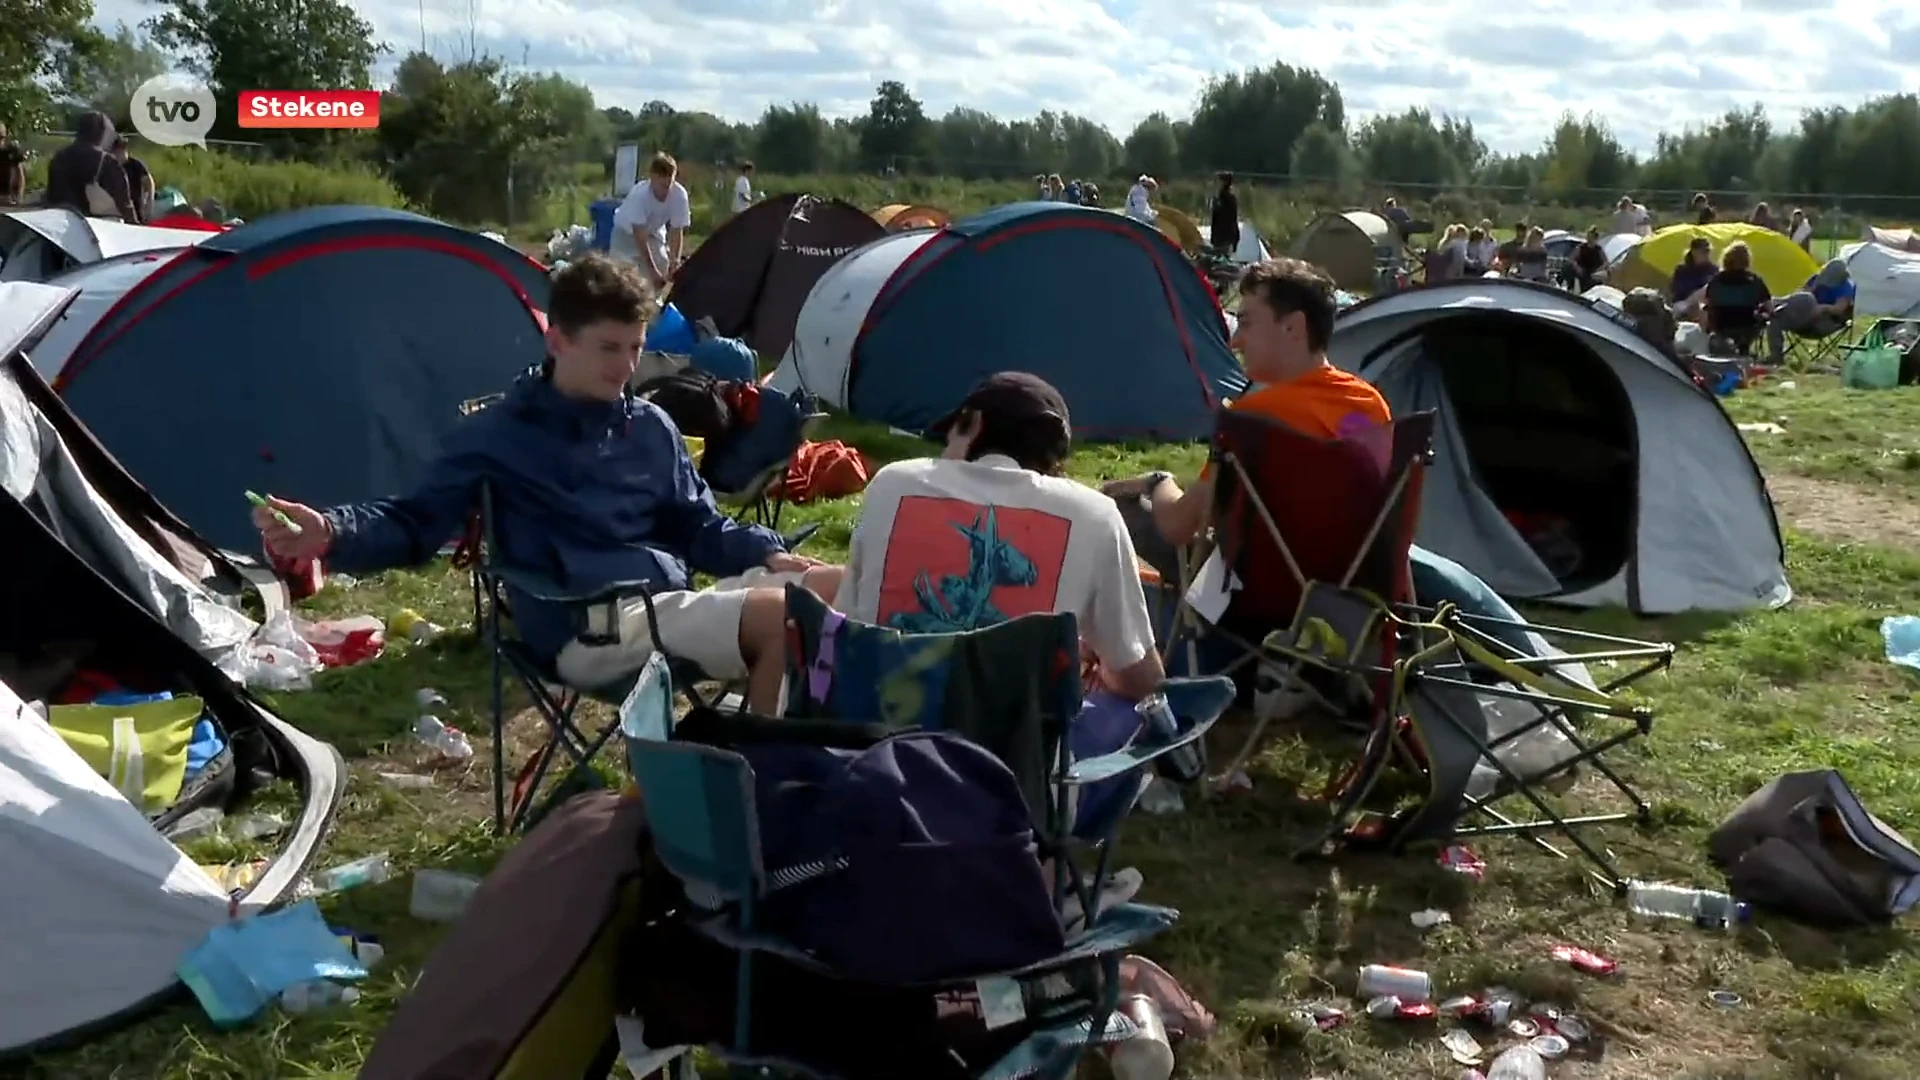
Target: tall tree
x,y
1153,148
278,44
896,129
42,44
106,76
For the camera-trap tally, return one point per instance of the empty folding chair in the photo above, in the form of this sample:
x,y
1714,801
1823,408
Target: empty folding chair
x,y
748,472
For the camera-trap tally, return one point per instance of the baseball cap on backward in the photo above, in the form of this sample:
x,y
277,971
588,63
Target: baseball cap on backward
x,y
1010,401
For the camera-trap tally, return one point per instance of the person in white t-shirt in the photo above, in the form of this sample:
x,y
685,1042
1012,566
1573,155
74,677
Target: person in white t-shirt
x,y
743,187
1630,217
650,226
1140,199
989,531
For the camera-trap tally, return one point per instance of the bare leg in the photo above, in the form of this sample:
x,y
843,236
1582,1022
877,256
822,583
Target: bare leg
x,y
763,632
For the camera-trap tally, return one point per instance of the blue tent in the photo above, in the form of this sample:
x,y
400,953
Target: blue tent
x,y
1106,309
319,354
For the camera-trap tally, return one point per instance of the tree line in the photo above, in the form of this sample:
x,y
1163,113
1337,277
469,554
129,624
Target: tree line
x,y
472,137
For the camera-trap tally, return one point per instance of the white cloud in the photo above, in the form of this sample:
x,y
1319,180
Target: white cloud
x,y
1642,65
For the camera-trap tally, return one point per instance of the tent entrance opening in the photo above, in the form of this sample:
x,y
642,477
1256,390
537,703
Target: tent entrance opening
x,y
1550,433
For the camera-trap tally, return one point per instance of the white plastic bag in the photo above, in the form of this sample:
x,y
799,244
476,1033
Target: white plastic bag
x,y
277,658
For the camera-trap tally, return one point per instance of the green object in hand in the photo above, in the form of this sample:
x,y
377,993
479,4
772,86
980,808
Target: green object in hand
x,y
279,516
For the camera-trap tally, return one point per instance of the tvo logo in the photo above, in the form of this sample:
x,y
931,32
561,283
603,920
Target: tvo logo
x,y
172,110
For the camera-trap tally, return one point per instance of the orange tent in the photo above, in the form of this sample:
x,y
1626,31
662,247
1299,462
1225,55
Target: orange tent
x,y
899,217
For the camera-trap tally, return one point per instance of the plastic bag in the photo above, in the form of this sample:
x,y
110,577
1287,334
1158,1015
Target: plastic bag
x,y
1903,639
1872,369
277,658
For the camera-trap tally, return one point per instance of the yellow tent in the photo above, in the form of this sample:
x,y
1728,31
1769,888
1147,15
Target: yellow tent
x,y
899,217
1180,229
1778,260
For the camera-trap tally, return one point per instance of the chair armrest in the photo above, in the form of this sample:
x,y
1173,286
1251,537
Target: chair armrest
x,y
541,587
800,535
1196,703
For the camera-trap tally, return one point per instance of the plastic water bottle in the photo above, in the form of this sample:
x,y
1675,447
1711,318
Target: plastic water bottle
x,y
447,742
1704,908
316,994
371,870
1519,1063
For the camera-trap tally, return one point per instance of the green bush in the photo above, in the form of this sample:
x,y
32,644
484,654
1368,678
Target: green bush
x,y
251,189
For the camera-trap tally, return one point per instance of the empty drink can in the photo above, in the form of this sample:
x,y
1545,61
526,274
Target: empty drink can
x,y
1379,980
1184,765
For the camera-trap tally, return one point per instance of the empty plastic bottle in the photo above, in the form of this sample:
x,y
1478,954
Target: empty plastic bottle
x,y
1519,1063
445,741
1704,908
316,994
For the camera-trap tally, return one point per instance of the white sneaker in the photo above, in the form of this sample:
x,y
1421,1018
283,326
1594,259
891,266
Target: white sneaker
x,y
1122,885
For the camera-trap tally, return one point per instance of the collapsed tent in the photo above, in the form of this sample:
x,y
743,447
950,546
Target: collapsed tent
x,y
1180,229
38,244
899,217
320,354
1347,245
1898,239
1573,462
1886,280
1649,264
1123,325
99,906
751,276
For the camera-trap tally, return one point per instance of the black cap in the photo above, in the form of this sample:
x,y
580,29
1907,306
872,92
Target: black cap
x,y
1010,399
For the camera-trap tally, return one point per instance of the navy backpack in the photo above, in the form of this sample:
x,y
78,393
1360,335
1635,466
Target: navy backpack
x,y
910,860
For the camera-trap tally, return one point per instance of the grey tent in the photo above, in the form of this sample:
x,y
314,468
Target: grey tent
x,y
1346,245
99,907
1573,461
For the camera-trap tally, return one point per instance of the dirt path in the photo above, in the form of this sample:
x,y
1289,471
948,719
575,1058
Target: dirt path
x,y
1837,510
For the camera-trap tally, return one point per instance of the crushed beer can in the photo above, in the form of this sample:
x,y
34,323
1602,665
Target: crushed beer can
x,y
1389,1007
1460,859
1321,1016
1583,960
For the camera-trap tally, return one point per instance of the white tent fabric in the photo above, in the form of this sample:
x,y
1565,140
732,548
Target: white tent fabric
x,y
1887,280
36,468
99,907
821,356
101,285
1706,534
1250,249
1897,239
32,241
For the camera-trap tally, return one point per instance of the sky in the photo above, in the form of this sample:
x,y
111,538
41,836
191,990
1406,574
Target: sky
x,y
1512,68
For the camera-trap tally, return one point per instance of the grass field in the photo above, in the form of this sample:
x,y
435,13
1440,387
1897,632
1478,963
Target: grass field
x,y
1748,698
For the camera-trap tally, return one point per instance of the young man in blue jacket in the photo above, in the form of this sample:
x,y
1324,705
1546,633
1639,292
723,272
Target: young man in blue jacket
x,y
591,486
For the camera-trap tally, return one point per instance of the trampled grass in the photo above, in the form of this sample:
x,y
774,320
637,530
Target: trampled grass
x,y
1748,698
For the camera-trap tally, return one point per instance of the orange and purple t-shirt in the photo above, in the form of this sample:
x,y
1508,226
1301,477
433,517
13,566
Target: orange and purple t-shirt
x,y
1325,403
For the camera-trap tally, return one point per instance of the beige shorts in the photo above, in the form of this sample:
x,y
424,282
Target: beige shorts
x,y
702,627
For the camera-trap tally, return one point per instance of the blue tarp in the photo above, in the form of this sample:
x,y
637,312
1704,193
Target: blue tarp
x,y
319,355
1106,309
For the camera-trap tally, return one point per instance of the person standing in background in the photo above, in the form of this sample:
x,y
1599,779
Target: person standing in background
x,y
1224,229
1140,200
743,196
13,170
139,178
86,178
1800,230
650,226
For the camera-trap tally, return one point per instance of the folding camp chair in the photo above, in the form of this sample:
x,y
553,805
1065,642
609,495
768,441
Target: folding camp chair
x,y
701,809
1452,680
1013,688
1288,510
748,474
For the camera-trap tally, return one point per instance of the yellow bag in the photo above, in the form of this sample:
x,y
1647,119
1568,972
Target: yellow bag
x,y
140,749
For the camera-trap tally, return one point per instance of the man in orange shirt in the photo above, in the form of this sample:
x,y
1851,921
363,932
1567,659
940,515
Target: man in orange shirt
x,y
1286,318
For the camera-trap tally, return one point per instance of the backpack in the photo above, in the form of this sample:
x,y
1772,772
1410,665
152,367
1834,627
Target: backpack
x,y
705,407
911,860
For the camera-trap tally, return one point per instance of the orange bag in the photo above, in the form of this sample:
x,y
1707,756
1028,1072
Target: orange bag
x,y
825,470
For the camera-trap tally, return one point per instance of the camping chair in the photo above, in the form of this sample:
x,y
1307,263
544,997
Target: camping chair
x,y
1289,510
748,474
597,617
701,809
1454,679
1014,688
1733,313
1809,350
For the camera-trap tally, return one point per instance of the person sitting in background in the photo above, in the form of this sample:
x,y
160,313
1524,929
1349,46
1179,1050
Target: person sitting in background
x,y
1224,230
591,486
1286,319
1056,188
1140,199
1509,250
1074,193
1090,194
1689,281
1043,193
139,178
86,178
1821,308
1703,211
1800,230
1482,249
1629,217
1589,261
1529,263
13,170
1448,259
1736,302
1397,214
650,225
